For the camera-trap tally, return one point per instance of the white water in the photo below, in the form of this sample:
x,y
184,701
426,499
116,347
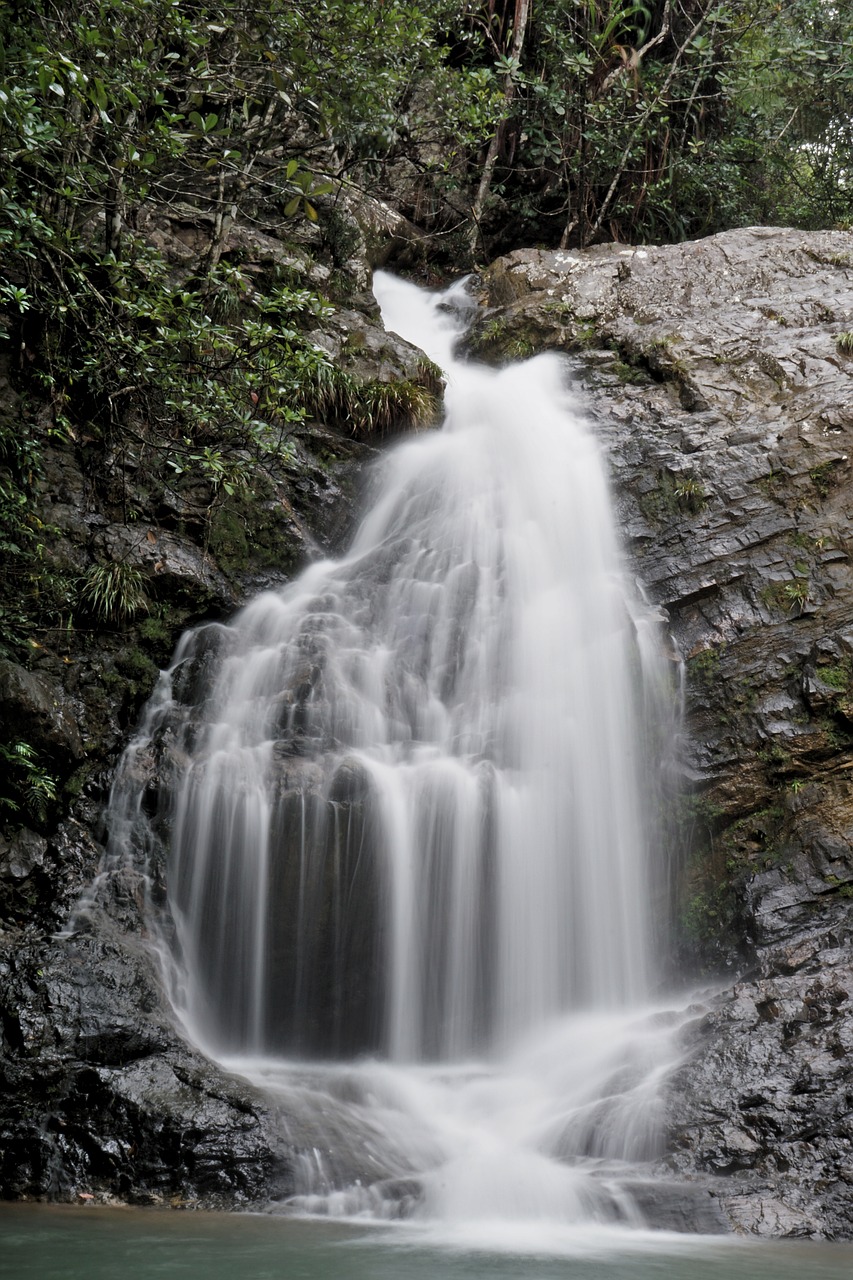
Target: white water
x,y
411,807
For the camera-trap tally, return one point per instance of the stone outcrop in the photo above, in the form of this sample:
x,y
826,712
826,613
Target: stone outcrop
x,y
724,399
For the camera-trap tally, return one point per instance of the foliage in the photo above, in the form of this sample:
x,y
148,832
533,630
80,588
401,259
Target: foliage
x,y
32,591
26,781
690,492
640,118
112,114
791,82
568,121
114,592
663,119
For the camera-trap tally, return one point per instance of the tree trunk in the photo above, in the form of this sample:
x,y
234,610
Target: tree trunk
x,y
519,30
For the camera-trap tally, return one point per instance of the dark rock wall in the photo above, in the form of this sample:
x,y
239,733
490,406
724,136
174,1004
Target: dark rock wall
x,y
99,1094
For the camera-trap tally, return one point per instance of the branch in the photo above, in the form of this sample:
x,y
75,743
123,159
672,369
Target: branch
x,y
626,154
522,13
638,54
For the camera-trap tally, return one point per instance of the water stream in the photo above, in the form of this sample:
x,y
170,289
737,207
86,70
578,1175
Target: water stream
x,y
415,880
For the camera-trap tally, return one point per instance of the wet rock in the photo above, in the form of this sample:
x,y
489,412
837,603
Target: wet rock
x,y
714,384
36,711
726,414
763,1100
684,1206
117,1103
20,858
101,1094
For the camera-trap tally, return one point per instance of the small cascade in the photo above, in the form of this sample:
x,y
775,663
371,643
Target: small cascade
x,y
414,875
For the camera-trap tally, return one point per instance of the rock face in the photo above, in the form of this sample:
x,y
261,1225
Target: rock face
x,y
108,1100
725,402
99,1093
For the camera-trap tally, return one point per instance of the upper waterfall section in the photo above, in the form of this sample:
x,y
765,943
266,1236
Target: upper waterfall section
x,y
409,791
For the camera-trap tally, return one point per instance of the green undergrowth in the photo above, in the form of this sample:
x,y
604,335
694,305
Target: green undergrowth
x,y
28,788
676,494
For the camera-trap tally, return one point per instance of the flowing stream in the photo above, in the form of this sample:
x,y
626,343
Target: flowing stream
x,y
415,883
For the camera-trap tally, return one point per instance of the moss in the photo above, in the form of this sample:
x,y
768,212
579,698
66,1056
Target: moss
x,y
741,698
843,888
73,788
703,668
137,667
709,916
561,310
776,756
755,834
710,919
825,477
697,815
157,637
661,357
251,531
660,504
227,540
839,676
630,374
677,493
585,335
837,738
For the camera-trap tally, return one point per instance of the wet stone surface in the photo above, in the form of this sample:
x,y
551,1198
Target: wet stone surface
x,y
725,406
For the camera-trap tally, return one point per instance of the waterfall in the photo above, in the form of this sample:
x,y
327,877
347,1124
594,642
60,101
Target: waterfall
x,y
410,803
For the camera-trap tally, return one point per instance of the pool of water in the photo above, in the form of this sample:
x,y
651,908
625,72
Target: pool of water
x,y
70,1243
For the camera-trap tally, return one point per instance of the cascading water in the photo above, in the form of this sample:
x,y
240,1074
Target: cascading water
x,y
410,805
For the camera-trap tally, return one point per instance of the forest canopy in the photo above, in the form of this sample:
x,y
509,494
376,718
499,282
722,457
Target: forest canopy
x,y
510,121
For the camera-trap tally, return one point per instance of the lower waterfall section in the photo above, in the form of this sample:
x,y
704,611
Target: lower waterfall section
x,y
410,805
556,1136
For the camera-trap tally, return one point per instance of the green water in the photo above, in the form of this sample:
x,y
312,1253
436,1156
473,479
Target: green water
x,y
39,1243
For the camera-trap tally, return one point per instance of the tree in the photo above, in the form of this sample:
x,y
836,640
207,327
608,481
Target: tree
x,y
661,119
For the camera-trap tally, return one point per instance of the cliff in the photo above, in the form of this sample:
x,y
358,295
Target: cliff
x,y
721,382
